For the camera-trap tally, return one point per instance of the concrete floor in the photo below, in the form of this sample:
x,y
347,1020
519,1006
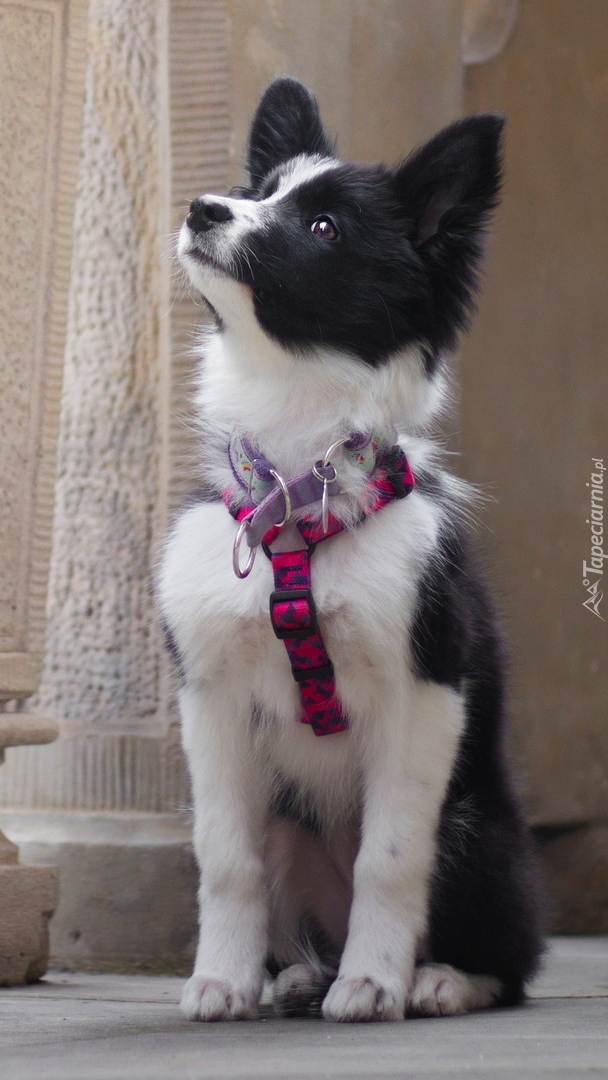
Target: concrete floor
x,y
109,1027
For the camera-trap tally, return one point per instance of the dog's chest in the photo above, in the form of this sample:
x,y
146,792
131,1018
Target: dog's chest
x,y
365,587
364,584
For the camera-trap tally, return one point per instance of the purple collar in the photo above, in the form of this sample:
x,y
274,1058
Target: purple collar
x,y
389,478
272,500
256,475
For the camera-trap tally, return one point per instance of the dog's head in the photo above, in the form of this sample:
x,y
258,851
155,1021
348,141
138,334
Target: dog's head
x,y
357,258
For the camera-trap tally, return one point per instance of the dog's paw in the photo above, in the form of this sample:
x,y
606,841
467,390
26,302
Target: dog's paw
x,y
442,990
299,990
362,999
206,998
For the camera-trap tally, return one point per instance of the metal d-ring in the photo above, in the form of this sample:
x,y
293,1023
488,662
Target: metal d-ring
x,y
287,497
326,480
331,449
235,551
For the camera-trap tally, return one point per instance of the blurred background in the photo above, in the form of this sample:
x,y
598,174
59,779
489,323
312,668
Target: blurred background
x,y
113,117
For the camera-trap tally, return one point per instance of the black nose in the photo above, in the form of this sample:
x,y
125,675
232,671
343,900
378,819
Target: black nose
x,y
205,212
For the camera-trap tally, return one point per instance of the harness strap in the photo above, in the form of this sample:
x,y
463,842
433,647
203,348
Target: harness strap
x,y
292,609
294,620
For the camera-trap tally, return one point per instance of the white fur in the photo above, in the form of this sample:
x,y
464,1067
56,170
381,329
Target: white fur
x,y
301,170
390,770
442,990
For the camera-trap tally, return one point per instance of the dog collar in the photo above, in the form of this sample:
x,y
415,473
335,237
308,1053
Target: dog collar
x,y
255,474
262,522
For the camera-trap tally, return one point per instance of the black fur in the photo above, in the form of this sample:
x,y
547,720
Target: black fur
x,y
174,651
286,124
485,896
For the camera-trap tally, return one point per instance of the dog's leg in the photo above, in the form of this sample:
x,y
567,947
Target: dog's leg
x,y
228,838
408,761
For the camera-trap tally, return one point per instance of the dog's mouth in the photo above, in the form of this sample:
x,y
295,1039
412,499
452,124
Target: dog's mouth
x,y
233,268
205,258
210,268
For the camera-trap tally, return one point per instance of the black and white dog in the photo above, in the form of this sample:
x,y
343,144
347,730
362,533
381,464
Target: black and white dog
x,y
355,823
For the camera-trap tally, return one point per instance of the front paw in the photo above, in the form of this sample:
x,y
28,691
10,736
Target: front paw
x,y
362,999
206,998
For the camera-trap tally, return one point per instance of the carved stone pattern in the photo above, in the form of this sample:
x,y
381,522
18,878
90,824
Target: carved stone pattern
x,y
102,662
40,76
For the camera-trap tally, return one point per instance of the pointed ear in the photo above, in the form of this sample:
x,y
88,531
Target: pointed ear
x,y
287,123
449,187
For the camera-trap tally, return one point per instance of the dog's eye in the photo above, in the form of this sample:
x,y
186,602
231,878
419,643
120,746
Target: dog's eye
x,y
324,228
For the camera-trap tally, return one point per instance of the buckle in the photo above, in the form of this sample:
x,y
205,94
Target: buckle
x,y
291,624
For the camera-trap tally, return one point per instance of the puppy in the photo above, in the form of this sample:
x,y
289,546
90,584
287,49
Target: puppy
x,y
355,823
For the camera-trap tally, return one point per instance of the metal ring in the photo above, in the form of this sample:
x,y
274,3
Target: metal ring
x,y
325,510
235,551
326,481
287,497
334,446
324,465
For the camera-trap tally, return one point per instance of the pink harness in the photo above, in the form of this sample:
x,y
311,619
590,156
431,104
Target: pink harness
x,y
292,609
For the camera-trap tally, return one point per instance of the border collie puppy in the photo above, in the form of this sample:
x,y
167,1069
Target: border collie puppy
x,y
355,823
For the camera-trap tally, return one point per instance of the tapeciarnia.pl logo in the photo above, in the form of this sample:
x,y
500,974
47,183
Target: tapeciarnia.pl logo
x,y
593,571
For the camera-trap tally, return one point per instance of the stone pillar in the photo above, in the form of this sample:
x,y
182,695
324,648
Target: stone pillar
x,y
170,88
101,805
42,50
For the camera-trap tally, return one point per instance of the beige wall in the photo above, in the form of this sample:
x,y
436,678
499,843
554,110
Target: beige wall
x,y
534,414
386,73
535,389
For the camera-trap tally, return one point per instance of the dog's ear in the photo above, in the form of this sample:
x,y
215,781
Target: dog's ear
x,y
449,187
447,190
286,123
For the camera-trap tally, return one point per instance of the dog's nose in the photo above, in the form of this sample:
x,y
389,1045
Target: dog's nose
x,y
205,212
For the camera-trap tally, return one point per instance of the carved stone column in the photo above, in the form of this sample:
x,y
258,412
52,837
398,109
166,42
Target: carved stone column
x,y
102,803
42,48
